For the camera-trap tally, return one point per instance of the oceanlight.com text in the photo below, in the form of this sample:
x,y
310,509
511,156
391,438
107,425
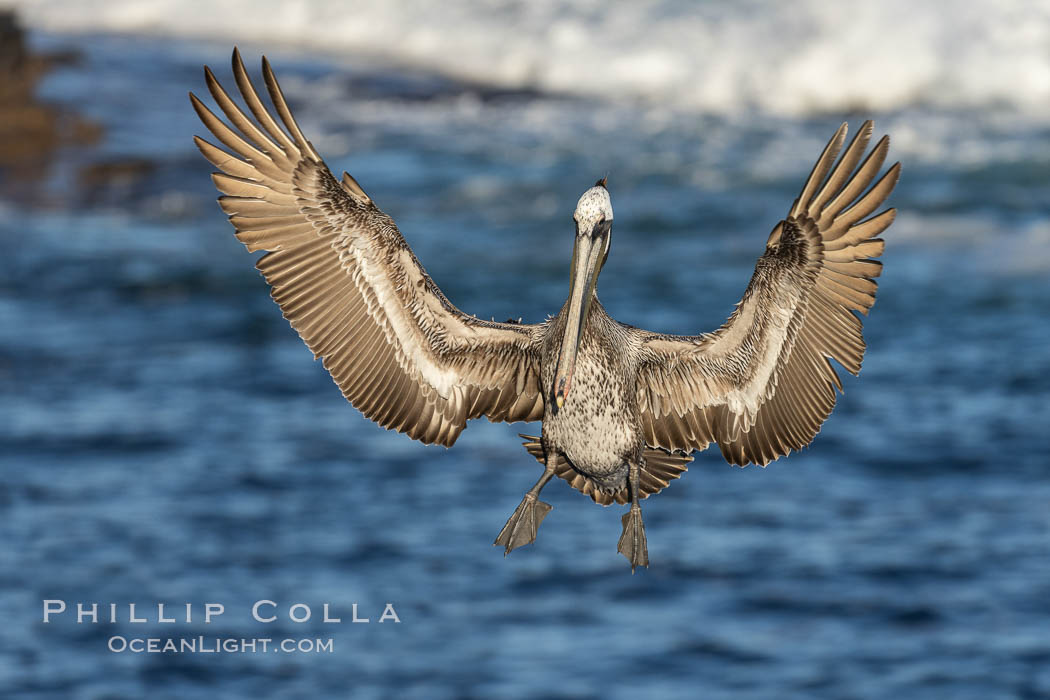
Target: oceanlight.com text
x,y
218,645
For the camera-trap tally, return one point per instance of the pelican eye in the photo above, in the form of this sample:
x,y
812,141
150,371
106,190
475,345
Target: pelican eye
x,y
601,226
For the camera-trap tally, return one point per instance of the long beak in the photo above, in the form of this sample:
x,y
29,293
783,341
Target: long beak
x,y
587,259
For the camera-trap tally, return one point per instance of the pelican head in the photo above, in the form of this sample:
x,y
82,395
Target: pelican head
x,y
593,219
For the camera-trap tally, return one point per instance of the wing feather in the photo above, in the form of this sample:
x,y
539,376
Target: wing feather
x,y
762,385
348,283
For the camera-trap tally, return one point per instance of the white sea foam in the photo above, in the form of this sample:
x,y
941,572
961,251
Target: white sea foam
x,y
781,58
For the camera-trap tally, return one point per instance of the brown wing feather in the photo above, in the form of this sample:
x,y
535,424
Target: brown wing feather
x,y
762,385
348,283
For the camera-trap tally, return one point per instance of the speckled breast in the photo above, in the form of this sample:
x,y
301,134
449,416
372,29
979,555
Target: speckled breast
x,y
596,427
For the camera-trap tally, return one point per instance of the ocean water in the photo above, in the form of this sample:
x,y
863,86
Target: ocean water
x,y
166,438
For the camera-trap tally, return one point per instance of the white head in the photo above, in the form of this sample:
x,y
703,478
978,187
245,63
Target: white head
x,y
594,207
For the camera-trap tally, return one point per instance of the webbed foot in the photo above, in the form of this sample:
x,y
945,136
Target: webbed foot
x,y
632,542
522,525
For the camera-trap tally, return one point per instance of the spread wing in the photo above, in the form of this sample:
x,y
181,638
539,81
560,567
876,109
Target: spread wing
x,y
349,284
762,384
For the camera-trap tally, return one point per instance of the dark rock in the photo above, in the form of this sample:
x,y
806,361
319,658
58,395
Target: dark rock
x,y
31,132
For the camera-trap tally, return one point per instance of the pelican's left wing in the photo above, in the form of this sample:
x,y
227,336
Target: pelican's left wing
x,y
346,280
762,384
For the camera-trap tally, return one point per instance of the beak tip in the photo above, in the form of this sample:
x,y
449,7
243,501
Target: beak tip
x,y
560,399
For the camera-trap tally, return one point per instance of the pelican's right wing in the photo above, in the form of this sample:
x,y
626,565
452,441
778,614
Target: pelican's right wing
x,y
762,384
349,284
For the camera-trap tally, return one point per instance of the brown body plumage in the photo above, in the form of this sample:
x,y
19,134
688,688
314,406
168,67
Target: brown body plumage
x,y
622,408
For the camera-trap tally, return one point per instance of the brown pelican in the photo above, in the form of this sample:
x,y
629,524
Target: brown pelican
x,y
622,408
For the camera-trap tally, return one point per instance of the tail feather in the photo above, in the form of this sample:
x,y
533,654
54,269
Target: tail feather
x,y
659,469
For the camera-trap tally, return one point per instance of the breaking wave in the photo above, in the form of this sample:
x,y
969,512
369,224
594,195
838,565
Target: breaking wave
x,y
723,57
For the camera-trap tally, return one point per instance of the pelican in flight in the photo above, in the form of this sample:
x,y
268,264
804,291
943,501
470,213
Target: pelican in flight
x,y
622,408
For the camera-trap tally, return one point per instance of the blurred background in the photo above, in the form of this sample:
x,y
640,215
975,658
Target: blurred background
x,y
165,436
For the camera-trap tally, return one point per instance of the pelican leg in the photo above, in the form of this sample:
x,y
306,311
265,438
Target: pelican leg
x,y
632,542
522,525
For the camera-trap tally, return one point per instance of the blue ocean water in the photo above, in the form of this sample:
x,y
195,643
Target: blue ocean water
x,y
167,439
